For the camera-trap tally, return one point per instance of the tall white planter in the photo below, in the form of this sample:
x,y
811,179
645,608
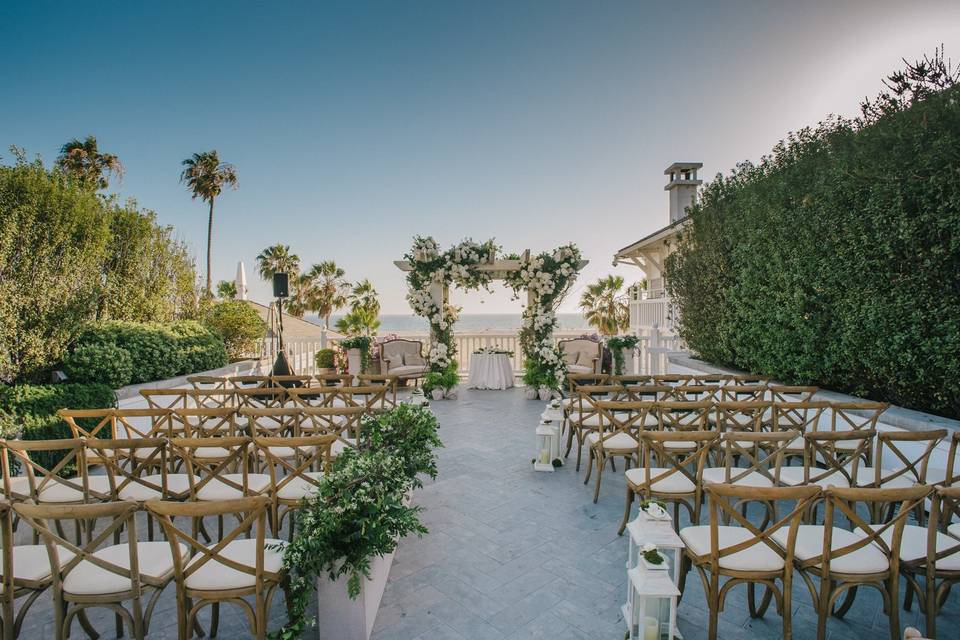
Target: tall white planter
x,y
354,362
628,361
339,617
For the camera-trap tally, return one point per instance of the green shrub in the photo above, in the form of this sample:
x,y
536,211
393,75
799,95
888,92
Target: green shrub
x,y
240,326
834,261
325,358
201,349
152,347
101,362
30,412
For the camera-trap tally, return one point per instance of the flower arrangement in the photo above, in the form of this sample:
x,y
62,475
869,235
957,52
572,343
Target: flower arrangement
x,y
494,350
617,344
361,343
547,276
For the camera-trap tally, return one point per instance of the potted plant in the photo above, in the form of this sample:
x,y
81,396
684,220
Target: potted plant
x,y
326,361
357,349
439,383
652,559
622,349
545,392
531,380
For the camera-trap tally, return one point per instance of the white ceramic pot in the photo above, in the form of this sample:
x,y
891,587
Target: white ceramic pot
x,y
437,393
531,393
627,361
545,393
353,362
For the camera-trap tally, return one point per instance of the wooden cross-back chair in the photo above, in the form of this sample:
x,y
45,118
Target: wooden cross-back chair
x,y
952,474
675,379
318,396
631,380
291,381
933,553
26,574
64,482
830,458
169,398
584,416
389,381
213,398
205,422
209,382
296,466
745,553
740,415
620,425
751,459
690,392
333,379
373,398
681,416
250,382
98,574
791,393
741,393
346,423
670,474
261,397
844,559
646,392
747,379
274,423
228,570
715,379
856,416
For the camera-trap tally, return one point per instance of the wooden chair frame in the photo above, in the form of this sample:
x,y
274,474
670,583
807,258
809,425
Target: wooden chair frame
x,y
913,469
335,421
252,514
338,379
390,381
67,605
952,477
13,587
250,382
205,422
616,417
723,501
742,393
168,398
585,407
312,453
261,397
209,382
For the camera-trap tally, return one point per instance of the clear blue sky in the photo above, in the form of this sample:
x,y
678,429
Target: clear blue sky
x,y
355,126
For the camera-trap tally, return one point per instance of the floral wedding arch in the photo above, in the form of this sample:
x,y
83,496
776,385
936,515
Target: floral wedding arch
x,y
547,278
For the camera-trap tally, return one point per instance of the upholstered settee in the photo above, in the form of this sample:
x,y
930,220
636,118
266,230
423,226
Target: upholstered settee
x,y
581,355
404,359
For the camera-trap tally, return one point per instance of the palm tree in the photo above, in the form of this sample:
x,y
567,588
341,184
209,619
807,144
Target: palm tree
x,y
227,289
364,296
206,176
83,160
277,259
605,307
329,289
301,294
364,309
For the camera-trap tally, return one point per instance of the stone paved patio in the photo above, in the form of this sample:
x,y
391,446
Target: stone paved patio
x,y
516,554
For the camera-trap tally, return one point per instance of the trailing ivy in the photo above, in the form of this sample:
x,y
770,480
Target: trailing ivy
x,y
835,260
360,509
362,344
616,345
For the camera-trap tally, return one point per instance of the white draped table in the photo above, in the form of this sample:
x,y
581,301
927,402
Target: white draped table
x,y
490,371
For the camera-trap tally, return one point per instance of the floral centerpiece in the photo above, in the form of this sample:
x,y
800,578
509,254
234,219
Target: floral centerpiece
x,y
494,350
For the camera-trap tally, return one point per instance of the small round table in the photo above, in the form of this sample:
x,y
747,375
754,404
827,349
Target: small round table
x,y
490,371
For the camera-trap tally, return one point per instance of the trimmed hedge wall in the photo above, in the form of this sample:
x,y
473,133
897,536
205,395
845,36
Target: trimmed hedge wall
x,y
836,260
120,353
30,412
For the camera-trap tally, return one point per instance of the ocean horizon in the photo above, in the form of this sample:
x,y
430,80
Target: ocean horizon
x,y
468,322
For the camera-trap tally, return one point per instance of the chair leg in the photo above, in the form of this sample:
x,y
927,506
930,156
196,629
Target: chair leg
x,y
601,463
589,465
713,602
823,608
626,511
932,608
894,613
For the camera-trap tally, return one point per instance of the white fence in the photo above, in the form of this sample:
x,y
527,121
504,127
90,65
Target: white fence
x,y
652,352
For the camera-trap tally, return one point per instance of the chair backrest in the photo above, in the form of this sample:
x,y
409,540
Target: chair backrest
x,y
344,422
716,379
209,382
798,416
291,381
575,380
741,392
204,471
121,516
321,395
690,391
647,392
747,452
274,422
632,380
41,478
90,423
903,454
622,417
385,380
333,379
213,398
261,397
252,514
671,460
844,501
675,379
586,402
724,502
826,453
311,453
205,422
581,351
953,464
131,462
370,397
750,379
393,351
683,415
250,382
851,416
741,415
168,398
791,393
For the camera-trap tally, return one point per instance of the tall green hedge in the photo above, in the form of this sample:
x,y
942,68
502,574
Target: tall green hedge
x,y
836,259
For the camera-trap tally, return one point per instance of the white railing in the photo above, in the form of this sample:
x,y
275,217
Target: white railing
x,y
655,345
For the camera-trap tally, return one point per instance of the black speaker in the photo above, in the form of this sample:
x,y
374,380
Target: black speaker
x,y
281,283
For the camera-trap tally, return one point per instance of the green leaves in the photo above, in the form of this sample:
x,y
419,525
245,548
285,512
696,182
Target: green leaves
x,y
834,260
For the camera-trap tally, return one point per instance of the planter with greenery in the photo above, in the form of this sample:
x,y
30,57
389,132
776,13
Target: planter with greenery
x,y
326,360
357,350
359,512
622,349
442,381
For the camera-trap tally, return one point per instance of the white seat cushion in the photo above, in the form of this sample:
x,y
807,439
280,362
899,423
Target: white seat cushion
x,y
217,490
32,563
679,445
286,452
409,370
211,453
954,530
757,557
155,560
618,441
718,475
215,576
793,476
299,488
578,368
55,492
913,546
674,483
868,559
587,419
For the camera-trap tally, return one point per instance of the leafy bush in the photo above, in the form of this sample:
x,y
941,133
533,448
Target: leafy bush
x,y
105,363
239,325
30,412
201,349
325,358
834,261
359,511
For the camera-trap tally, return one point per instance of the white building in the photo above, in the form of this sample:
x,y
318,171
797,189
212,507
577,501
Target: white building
x,y
651,308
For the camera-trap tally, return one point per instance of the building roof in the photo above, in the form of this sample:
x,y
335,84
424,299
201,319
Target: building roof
x,y
682,166
661,234
293,327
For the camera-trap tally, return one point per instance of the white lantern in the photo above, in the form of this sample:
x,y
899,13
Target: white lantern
x,y
548,446
651,610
